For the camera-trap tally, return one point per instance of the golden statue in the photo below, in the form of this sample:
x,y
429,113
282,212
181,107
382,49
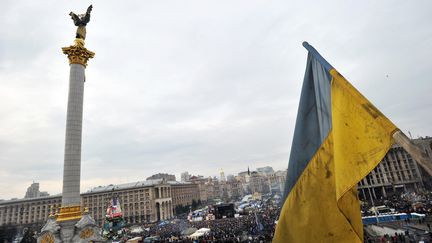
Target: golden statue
x,y
81,21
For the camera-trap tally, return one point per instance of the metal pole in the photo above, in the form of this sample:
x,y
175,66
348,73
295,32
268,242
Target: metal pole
x,y
373,205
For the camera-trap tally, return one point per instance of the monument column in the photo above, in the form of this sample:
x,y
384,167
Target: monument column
x,y
78,56
73,224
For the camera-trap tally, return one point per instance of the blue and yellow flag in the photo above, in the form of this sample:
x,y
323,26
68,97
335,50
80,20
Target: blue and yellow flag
x,y
339,138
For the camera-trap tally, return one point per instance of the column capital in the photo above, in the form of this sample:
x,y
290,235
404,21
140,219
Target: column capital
x,y
77,53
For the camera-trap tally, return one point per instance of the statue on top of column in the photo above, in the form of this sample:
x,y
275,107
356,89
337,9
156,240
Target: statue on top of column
x,y
81,21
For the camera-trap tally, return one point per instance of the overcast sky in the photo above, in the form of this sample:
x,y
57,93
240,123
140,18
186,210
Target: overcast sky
x,y
194,86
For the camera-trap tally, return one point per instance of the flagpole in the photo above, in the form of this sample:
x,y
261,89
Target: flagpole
x,y
423,159
317,56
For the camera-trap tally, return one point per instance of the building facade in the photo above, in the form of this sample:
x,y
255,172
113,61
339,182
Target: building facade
x,y
277,181
396,173
266,171
213,189
258,183
28,210
184,193
33,191
143,201
235,189
202,184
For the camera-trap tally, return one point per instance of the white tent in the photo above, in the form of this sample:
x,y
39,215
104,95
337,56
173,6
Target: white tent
x,y
137,230
199,233
204,230
195,235
134,240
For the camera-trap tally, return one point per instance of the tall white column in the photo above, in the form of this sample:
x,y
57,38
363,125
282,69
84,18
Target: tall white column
x,y
78,56
72,156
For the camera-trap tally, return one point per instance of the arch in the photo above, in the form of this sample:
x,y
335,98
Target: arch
x,y
158,211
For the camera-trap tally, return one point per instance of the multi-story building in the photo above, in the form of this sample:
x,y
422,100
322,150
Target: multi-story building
x,y
143,201
244,178
202,186
224,191
33,191
277,181
184,193
425,144
213,189
28,210
258,183
266,171
397,172
235,189
230,177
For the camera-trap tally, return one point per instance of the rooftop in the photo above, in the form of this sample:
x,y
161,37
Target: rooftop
x,y
98,189
132,185
14,200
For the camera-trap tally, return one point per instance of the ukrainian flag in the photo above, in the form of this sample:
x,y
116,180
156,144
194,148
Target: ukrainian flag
x,y
339,138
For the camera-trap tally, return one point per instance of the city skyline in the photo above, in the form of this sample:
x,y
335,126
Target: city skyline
x,y
177,178
194,85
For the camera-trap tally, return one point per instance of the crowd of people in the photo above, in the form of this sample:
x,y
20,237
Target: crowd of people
x,y
414,229
256,226
259,225
403,203
396,238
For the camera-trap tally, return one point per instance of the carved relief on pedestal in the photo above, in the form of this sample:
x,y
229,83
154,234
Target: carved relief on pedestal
x,y
47,238
86,233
